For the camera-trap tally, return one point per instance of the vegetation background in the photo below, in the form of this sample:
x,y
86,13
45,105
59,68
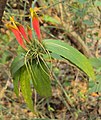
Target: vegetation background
x,y
77,22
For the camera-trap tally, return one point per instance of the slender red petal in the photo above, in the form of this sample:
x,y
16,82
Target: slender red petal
x,y
36,27
19,38
29,32
22,31
17,35
35,23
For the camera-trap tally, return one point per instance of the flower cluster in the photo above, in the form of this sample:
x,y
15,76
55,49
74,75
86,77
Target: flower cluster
x,y
21,35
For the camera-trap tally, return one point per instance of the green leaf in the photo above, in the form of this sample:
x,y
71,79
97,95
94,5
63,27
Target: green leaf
x,y
16,81
26,88
82,1
97,3
96,62
88,22
56,56
5,56
17,63
80,13
71,54
48,18
41,79
95,86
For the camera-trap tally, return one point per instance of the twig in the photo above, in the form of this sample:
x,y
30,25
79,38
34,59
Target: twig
x,y
35,100
67,97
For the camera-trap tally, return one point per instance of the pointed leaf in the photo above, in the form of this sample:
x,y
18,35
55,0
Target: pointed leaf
x,y
17,63
50,19
26,88
16,82
71,54
41,79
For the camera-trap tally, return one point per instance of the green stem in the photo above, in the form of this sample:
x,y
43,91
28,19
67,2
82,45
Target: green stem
x,y
33,3
33,33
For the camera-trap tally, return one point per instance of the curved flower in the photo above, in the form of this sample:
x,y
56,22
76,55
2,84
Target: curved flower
x,y
17,34
19,30
35,23
22,31
29,32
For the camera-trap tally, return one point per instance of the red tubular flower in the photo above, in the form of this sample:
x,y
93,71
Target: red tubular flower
x,y
29,32
22,31
35,23
36,27
19,30
17,34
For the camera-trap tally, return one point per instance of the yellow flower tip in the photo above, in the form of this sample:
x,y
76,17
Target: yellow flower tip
x,y
13,22
28,28
32,12
12,19
18,24
8,25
